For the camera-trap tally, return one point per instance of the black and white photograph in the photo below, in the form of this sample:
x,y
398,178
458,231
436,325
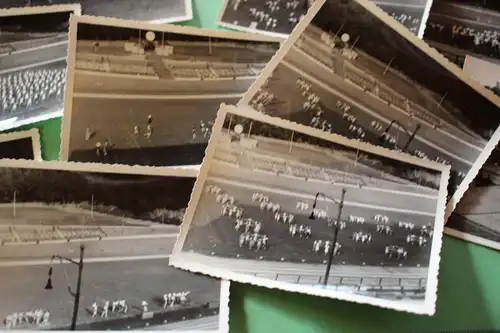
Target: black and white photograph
x,y
141,96
22,145
33,50
477,217
279,17
86,247
285,206
154,11
347,71
486,72
458,28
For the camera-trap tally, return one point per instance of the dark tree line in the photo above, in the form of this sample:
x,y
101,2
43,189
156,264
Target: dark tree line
x,y
423,176
131,195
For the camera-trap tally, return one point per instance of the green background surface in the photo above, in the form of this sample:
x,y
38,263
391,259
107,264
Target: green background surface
x,y
469,277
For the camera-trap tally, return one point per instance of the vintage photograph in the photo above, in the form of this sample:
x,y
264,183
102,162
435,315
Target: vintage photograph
x,y
87,247
458,28
33,49
477,217
279,17
154,11
486,72
22,145
139,95
284,206
351,73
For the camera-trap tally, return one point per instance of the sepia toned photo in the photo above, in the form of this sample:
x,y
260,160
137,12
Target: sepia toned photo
x,y
459,28
477,218
285,206
354,74
87,247
141,96
33,49
154,11
486,72
22,145
279,17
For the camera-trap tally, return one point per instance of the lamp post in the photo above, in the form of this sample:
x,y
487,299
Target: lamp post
x,y
75,294
336,228
410,135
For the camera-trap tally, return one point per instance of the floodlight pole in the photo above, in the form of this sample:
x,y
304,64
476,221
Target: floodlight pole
x,y
92,207
250,129
336,229
77,293
388,66
14,201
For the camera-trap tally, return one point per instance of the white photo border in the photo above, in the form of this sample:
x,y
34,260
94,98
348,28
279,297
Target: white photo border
x,y
472,238
33,134
64,151
132,170
419,43
432,279
425,17
76,9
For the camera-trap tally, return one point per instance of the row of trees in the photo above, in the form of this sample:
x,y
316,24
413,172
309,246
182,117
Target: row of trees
x,y
134,196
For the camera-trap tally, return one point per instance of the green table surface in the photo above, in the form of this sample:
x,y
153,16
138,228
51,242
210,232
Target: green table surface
x,y
469,277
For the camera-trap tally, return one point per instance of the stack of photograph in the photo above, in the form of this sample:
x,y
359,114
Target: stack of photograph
x,y
336,172
321,150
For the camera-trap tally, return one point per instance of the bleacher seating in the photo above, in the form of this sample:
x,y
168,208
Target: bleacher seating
x,y
32,87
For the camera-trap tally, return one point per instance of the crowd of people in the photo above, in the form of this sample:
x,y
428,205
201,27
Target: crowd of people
x,y
120,307
24,90
28,320
410,22
481,40
269,15
251,234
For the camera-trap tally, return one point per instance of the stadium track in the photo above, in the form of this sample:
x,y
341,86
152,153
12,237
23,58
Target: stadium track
x,y
222,239
133,281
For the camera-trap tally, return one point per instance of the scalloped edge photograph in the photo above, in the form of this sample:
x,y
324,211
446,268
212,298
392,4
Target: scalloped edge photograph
x,y
134,226
261,272
100,87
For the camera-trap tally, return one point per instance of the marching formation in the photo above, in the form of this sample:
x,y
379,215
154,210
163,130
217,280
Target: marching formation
x,y
27,320
251,234
31,88
102,147
270,14
121,306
